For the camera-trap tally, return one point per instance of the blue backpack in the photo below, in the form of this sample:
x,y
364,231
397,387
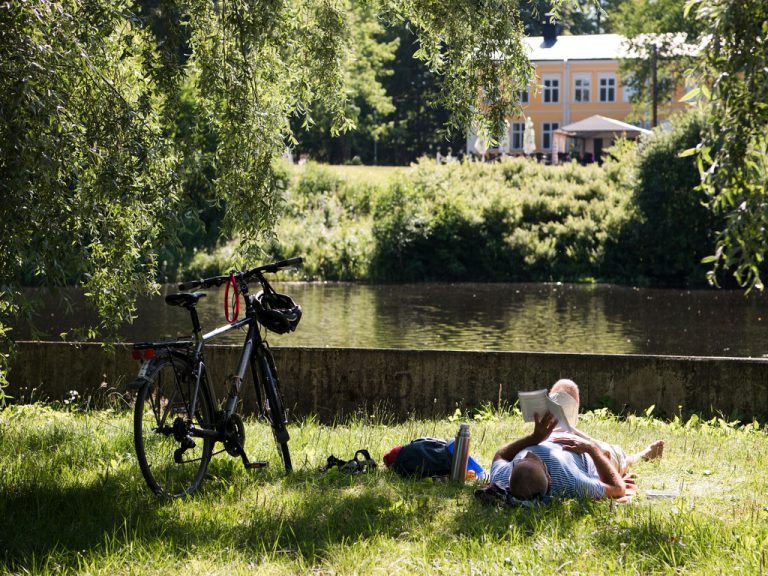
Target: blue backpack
x,y
423,457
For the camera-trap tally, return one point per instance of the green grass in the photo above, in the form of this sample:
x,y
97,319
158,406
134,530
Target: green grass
x,y
72,500
356,175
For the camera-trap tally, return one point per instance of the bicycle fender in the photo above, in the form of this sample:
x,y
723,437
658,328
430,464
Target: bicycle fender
x,y
141,379
138,383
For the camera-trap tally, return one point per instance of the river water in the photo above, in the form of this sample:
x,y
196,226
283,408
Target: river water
x,y
503,317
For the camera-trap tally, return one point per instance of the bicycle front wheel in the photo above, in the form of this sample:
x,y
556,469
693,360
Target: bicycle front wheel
x,y
172,462
276,415
277,418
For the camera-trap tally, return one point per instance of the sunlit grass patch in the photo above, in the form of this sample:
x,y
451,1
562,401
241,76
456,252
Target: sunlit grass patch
x,y
73,500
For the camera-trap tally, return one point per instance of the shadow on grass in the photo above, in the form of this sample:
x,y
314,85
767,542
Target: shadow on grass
x,y
309,514
41,518
304,514
660,539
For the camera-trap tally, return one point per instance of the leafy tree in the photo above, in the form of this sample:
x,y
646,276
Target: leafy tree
x,y
672,229
733,154
417,125
85,171
91,95
366,65
410,124
659,26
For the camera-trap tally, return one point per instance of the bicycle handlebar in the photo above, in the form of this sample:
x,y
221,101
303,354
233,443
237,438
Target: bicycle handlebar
x,y
219,280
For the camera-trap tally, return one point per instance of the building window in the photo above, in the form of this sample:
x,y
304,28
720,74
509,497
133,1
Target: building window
x,y
582,88
523,96
517,131
551,90
547,131
608,89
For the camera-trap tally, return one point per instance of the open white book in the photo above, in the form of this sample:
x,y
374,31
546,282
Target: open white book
x,y
562,406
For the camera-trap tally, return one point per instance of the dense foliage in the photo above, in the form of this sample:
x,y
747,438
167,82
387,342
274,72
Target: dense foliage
x,y
368,102
83,156
670,229
637,219
119,119
517,221
512,221
395,130
733,155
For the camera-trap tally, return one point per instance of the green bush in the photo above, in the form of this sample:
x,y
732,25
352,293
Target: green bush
x,y
670,229
636,218
513,221
327,220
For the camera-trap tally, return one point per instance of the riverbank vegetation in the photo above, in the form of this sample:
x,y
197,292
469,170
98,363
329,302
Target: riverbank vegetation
x,y
72,500
513,221
636,219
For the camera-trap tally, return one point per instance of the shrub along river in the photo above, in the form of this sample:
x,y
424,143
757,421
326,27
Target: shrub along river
x,y
503,317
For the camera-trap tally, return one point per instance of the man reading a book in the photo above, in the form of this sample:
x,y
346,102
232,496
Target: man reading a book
x,y
552,461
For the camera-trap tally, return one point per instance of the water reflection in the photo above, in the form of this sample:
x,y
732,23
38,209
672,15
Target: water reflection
x,y
534,317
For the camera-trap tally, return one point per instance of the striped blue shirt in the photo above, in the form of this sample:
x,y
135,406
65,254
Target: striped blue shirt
x,y
573,475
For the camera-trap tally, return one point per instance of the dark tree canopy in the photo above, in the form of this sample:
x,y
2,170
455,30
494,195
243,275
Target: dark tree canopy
x,y
110,109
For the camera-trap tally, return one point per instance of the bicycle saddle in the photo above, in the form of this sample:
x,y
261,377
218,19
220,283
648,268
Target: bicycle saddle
x,y
185,300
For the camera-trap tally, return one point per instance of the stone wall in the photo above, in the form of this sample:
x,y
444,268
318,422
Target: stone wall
x,y
333,383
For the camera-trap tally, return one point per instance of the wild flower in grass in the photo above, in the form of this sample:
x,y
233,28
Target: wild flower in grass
x,y
72,400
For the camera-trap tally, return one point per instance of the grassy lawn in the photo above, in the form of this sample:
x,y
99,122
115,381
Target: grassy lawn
x,y
72,500
358,175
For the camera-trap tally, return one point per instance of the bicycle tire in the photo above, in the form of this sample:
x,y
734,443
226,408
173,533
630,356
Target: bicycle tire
x,y
167,394
275,412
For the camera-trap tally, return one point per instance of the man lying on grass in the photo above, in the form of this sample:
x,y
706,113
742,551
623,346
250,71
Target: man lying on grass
x,y
552,462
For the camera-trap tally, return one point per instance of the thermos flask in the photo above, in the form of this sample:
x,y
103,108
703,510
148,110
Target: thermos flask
x,y
460,454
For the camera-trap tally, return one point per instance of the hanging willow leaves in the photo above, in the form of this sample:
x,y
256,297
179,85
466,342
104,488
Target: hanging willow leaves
x,y
92,161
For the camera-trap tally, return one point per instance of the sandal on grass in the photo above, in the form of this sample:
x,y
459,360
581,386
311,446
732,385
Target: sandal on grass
x,y
360,464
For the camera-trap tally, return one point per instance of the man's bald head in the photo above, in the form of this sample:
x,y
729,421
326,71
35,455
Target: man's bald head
x,y
529,478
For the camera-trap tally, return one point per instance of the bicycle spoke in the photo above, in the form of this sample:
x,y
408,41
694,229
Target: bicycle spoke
x,y
161,418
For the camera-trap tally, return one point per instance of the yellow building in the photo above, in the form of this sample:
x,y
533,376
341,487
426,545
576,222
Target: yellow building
x,y
577,78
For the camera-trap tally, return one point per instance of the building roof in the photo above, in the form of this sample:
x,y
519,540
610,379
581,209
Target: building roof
x,y
583,47
607,47
599,123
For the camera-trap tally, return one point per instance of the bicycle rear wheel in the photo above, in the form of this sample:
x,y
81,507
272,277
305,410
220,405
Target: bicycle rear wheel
x,y
172,463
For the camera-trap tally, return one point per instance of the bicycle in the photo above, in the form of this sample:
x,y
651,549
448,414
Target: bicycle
x,y
176,426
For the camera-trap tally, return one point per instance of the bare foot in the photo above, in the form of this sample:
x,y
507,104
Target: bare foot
x,y
653,451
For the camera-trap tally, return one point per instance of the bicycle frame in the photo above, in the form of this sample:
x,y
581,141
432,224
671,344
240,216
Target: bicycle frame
x,y
248,355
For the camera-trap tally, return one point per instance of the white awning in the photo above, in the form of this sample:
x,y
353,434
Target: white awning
x,y
601,124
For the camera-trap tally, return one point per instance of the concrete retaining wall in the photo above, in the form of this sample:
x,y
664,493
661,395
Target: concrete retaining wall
x,y
336,382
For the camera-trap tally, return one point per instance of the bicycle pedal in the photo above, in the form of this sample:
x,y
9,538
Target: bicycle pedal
x,y
257,464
